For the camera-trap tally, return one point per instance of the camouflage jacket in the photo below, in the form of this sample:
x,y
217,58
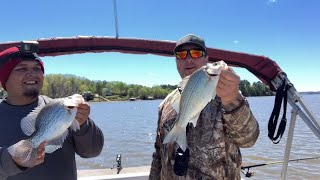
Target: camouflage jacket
x,y
214,143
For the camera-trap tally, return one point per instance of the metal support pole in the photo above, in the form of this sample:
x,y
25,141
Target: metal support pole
x,y
295,99
294,113
115,17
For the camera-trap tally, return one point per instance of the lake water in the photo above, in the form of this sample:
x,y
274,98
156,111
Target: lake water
x,y
129,129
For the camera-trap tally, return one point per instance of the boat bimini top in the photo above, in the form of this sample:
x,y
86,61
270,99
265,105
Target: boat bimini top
x,y
262,67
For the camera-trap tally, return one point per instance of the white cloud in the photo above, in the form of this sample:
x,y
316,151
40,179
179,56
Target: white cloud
x,y
235,43
272,1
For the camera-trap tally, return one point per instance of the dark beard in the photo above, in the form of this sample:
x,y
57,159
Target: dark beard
x,y
33,93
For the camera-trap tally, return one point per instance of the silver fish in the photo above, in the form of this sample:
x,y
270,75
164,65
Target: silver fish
x,y
49,123
198,90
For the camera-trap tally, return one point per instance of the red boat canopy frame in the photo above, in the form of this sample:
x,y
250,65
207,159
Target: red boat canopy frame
x,y
262,67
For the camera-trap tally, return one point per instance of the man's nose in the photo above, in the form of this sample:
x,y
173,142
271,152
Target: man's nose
x,y
31,71
189,58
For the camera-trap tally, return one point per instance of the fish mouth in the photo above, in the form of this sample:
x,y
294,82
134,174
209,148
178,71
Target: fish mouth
x,y
212,75
213,71
70,107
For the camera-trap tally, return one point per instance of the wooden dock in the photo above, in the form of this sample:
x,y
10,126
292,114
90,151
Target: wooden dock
x,y
98,98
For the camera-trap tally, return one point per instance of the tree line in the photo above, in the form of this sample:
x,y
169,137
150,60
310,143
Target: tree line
x,y
62,85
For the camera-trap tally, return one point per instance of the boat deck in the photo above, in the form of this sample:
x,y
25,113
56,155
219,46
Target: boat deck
x,y
132,173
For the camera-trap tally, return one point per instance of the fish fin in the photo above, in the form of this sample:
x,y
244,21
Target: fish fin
x,y
56,143
75,125
184,82
52,148
28,123
175,102
20,149
24,151
194,120
177,134
168,98
174,99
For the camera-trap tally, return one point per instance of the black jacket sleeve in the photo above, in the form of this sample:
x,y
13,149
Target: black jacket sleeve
x,y
7,165
88,140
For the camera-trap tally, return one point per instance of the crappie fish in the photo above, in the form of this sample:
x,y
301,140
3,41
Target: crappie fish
x,y
198,90
48,123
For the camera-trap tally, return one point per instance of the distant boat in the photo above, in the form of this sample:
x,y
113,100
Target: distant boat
x,y
150,98
88,96
132,99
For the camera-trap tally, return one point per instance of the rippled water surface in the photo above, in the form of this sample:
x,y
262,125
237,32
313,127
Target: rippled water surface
x,y
129,129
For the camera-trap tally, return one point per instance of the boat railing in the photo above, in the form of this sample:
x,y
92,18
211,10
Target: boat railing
x,y
297,102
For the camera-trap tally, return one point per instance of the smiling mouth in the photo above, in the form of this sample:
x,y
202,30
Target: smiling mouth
x,y
31,82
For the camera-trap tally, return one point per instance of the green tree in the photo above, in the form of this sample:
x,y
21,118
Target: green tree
x,y
143,93
99,87
245,87
59,85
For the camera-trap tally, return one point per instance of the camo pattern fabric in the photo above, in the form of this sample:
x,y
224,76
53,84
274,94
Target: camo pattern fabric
x,y
214,143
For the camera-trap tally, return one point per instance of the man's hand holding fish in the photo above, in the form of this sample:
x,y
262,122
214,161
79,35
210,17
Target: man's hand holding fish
x,y
228,86
83,113
20,161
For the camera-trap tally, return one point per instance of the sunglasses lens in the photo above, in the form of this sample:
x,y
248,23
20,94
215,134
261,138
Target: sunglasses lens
x,y
196,53
181,54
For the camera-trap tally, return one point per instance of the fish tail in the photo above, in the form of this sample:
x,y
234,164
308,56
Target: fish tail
x,y
177,134
23,151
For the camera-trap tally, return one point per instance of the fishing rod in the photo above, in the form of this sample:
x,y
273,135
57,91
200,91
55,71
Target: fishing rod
x,y
249,174
119,166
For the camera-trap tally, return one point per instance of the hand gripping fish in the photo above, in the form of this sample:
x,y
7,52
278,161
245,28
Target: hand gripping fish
x,y
48,123
198,90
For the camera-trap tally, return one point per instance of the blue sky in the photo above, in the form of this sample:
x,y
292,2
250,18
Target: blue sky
x,y
287,31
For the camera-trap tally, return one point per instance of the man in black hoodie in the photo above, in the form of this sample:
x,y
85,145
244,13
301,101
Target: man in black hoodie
x,y
22,75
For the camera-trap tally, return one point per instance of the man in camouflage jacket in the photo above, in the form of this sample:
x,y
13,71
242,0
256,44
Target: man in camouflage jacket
x,y
224,125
